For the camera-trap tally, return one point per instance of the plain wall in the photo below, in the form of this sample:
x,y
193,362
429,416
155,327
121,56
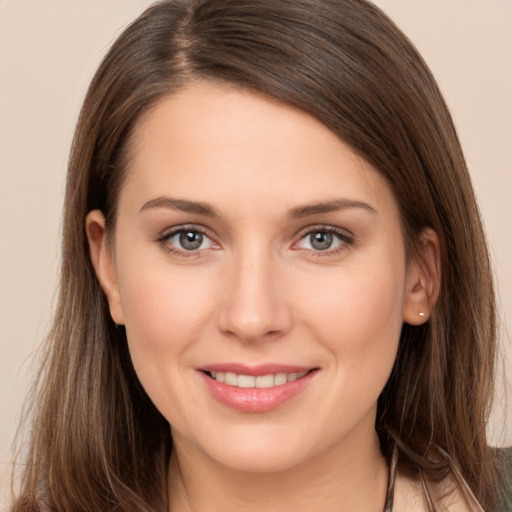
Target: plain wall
x,y
48,53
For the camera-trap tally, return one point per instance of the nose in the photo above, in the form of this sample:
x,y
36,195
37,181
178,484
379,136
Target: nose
x,y
255,305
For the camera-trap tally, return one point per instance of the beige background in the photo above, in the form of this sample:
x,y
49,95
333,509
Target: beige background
x,y
48,53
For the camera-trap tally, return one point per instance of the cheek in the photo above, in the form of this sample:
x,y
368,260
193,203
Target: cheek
x,y
165,316
358,317
165,312
161,302
358,300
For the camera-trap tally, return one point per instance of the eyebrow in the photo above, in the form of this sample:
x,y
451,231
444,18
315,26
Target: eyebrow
x,y
328,207
181,204
298,212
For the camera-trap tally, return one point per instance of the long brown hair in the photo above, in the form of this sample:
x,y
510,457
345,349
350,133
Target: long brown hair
x,y
97,442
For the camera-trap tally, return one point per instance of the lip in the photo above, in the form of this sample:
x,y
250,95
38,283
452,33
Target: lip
x,y
256,399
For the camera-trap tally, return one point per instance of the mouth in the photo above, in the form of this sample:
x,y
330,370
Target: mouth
x,y
260,389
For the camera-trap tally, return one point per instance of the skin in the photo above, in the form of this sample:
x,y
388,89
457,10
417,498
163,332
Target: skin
x,y
257,291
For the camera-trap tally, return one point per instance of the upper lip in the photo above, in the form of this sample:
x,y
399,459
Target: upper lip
x,y
255,370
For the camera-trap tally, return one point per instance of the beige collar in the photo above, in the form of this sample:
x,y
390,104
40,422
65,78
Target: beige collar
x,y
408,492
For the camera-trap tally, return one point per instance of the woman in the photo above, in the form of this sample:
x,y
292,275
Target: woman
x,y
275,289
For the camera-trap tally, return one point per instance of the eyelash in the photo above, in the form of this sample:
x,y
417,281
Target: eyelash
x,y
167,247
345,239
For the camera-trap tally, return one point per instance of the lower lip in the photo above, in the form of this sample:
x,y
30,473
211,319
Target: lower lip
x,y
256,399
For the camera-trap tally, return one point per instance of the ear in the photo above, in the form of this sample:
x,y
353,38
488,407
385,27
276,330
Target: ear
x,y
423,279
103,262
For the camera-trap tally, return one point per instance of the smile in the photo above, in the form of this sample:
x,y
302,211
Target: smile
x,y
262,381
256,389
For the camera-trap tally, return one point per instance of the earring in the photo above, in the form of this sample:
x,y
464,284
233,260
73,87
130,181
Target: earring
x,y
421,314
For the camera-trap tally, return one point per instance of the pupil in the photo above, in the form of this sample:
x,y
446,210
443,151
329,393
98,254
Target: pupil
x,y
191,240
321,240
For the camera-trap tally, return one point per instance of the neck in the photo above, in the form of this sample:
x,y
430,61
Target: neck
x,y
342,478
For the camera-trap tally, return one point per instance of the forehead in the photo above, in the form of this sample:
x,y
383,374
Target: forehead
x,y
210,137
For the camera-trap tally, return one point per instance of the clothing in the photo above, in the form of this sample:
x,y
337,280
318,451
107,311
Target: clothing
x,y
506,497
391,486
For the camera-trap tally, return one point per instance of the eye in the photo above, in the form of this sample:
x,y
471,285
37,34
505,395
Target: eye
x,y
324,240
186,239
321,240
189,240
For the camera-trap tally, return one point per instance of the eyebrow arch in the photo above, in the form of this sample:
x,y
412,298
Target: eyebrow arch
x,y
183,205
329,206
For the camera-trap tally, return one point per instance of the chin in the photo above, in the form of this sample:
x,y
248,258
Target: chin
x,y
264,460
264,448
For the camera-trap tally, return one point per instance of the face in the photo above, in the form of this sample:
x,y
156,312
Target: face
x,y
259,267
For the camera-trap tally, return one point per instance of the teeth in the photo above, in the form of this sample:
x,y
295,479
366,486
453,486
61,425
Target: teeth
x,y
246,381
230,379
265,381
280,378
262,381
